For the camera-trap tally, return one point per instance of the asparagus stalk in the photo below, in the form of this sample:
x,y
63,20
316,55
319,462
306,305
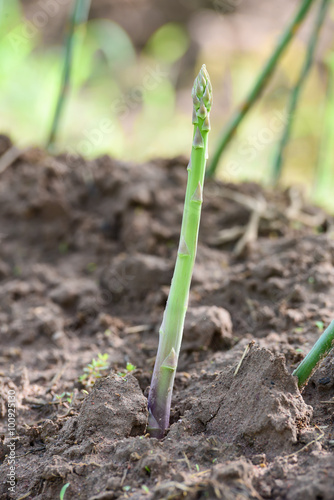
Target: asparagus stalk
x,y
79,15
323,175
296,91
171,330
320,349
259,84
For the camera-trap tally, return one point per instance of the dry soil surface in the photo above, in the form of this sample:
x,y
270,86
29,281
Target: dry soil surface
x,y
86,259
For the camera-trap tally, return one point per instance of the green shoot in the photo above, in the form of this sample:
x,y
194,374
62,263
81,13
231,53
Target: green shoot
x,y
320,325
65,397
320,349
63,490
91,267
79,15
129,368
323,181
296,91
94,370
171,330
260,83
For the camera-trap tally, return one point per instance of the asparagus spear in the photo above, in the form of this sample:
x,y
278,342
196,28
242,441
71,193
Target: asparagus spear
x,y
79,15
319,351
259,85
171,330
297,89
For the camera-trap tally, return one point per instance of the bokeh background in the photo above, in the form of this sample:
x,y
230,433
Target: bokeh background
x,y
134,62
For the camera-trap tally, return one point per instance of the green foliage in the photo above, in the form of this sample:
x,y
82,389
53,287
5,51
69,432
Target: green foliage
x,y
169,43
109,85
114,43
94,370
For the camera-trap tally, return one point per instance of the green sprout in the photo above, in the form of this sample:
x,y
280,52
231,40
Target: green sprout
x,y
63,490
94,370
65,397
171,330
91,267
129,368
320,349
320,325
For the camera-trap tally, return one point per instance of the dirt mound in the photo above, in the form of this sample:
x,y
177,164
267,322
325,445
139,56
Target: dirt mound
x,y
259,408
115,408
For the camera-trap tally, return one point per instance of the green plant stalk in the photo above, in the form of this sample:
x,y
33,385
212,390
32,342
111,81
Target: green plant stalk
x,y
320,349
324,175
79,15
260,83
296,91
171,330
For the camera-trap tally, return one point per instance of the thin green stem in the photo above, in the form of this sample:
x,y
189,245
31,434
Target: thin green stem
x,y
296,91
324,174
79,15
171,330
259,85
320,349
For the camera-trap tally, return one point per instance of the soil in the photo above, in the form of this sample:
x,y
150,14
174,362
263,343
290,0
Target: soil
x,y
86,258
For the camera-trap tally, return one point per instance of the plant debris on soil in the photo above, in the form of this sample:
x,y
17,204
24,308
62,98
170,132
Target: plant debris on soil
x,y
86,259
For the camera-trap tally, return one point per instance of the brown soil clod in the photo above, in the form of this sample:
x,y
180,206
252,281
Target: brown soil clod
x,y
260,408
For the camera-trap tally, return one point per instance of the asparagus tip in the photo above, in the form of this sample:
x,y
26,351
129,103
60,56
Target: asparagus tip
x,y
202,93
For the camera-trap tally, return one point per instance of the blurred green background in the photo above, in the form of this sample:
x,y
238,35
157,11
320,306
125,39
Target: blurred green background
x,y
134,65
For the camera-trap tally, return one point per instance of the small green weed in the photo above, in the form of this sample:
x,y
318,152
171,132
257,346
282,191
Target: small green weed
x,y
91,267
65,397
320,325
94,370
63,247
129,368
